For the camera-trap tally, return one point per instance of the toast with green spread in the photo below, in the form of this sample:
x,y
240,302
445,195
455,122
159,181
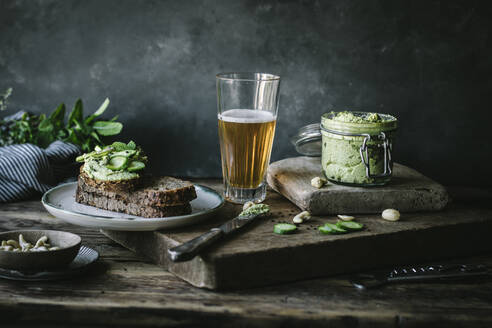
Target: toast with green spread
x,y
116,185
118,166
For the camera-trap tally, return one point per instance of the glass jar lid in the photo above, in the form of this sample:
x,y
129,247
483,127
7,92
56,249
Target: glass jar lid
x,y
308,140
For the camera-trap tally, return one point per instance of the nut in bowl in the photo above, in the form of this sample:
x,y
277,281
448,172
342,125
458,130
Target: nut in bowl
x,y
64,246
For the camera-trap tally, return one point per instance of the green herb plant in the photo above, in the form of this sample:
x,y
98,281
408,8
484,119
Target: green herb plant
x,y
41,130
4,99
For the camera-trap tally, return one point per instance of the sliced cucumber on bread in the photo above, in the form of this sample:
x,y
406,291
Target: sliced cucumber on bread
x,y
135,166
117,163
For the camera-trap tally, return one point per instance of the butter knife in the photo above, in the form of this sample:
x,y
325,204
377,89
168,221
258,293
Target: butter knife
x,y
191,248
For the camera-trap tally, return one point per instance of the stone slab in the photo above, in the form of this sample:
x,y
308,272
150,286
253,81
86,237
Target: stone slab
x,y
408,191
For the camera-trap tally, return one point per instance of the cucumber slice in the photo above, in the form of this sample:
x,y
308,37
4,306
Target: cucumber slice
x,y
135,166
284,228
124,153
93,154
331,229
117,163
325,230
336,228
350,225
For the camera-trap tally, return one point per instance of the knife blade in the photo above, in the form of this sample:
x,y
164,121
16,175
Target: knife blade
x,y
191,248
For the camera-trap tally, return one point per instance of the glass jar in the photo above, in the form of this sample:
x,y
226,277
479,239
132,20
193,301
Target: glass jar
x,y
353,152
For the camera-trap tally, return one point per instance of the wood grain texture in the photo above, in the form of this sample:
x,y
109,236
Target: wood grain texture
x,y
408,191
256,256
124,290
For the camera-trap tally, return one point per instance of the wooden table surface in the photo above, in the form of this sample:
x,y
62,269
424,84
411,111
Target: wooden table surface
x,y
124,290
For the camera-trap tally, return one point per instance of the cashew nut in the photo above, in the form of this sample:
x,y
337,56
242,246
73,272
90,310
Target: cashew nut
x,y
318,182
345,217
24,246
22,242
13,243
301,217
390,214
41,241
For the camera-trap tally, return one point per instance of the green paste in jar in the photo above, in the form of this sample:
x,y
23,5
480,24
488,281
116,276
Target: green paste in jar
x,y
340,156
350,117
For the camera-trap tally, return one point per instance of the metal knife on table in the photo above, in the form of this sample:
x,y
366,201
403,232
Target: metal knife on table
x,y
190,249
419,274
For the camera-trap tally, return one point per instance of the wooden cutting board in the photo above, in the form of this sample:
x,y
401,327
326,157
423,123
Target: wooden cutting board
x,y
258,257
408,191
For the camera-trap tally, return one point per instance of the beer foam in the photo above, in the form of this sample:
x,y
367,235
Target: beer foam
x,y
246,116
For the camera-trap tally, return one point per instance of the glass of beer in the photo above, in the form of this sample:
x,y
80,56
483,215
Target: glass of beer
x,y
247,112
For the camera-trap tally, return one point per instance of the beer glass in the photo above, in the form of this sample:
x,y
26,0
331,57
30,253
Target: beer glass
x,y
247,106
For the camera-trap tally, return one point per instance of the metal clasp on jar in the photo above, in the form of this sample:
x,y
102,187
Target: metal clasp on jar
x,y
364,155
364,151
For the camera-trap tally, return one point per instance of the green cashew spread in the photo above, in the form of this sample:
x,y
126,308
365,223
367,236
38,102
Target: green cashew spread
x,y
256,209
342,162
349,117
95,170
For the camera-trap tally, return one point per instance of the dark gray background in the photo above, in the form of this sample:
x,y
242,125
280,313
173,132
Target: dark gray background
x,y
427,62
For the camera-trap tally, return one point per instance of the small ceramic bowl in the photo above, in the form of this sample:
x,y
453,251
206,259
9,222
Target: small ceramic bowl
x,y
69,244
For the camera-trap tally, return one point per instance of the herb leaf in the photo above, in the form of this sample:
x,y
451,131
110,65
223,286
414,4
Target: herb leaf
x,y
4,97
42,130
98,112
102,108
132,145
45,125
119,146
76,114
106,128
58,115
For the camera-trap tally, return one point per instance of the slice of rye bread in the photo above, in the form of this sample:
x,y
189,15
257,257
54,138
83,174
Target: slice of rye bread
x,y
152,191
137,209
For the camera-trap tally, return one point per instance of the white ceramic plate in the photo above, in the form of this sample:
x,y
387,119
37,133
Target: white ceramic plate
x,y
60,202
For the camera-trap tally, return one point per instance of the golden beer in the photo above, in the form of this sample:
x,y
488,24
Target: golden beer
x,y
246,138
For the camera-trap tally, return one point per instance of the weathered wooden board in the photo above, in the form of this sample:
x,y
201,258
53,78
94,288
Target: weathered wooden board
x,y
408,191
257,257
123,290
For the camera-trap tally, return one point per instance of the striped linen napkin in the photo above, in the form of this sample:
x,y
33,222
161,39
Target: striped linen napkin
x,y
27,170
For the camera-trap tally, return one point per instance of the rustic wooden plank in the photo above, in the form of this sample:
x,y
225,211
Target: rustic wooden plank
x,y
409,191
233,263
123,291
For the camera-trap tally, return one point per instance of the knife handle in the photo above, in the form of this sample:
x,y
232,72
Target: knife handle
x,y
191,248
